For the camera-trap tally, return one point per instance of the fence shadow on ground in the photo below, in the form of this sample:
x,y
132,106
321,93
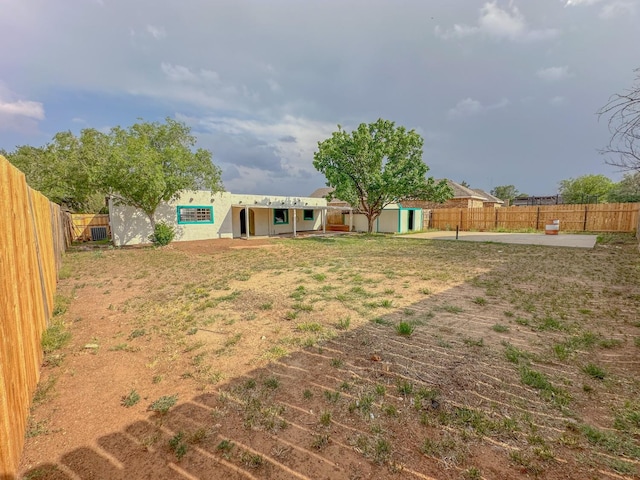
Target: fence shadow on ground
x,y
365,404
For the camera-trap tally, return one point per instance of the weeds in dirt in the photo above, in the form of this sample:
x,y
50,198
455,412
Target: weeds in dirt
x,y
473,342
44,390
404,387
272,383
36,428
225,446
452,309
130,399
337,362
55,337
540,382
330,396
307,394
163,404
251,460
498,327
325,418
320,441
480,301
343,323
594,371
178,445
138,332
405,329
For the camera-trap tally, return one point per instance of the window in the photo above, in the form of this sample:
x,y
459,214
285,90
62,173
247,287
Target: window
x,y
195,214
280,216
307,215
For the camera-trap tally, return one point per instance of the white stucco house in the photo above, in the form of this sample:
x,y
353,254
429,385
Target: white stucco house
x,y
201,215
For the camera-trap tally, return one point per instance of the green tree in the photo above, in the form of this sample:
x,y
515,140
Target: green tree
x,y
375,165
149,163
585,189
627,190
67,170
505,193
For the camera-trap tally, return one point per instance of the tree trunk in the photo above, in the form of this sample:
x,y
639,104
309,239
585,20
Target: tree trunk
x,y
152,219
370,219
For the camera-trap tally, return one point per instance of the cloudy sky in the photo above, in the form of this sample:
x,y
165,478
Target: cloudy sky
x,y
503,92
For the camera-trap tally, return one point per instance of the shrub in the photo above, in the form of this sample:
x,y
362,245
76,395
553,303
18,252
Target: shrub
x,y
163,234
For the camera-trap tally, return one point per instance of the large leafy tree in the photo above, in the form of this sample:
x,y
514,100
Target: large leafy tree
x,y
627,190
623,111
149,163
505,193
376,165
67,170
585,189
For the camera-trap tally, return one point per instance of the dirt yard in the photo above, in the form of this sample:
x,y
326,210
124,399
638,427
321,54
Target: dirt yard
x,y
342,358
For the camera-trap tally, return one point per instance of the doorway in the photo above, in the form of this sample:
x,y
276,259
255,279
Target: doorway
x,y
243,223
411,220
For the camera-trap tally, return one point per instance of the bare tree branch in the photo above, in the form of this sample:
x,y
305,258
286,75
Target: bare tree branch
x,y
623,111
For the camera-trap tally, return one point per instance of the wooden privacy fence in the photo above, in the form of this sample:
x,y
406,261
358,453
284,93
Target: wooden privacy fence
x,y
32,239
90,226
605,217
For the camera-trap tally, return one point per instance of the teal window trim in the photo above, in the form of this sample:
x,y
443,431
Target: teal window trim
x,y
305,216
286,216
198,214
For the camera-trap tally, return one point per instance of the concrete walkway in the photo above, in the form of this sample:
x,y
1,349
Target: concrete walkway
x,y
561,240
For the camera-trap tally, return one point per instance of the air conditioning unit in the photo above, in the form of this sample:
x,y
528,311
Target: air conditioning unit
x,y
98,233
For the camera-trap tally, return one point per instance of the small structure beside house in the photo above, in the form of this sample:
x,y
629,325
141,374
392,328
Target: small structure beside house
x,y
201,215
395,217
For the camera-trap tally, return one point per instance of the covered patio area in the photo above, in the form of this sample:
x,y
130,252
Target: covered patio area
x,y
273,220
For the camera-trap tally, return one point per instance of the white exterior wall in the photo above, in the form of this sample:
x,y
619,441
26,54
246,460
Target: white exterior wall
x,y
387,222
130,226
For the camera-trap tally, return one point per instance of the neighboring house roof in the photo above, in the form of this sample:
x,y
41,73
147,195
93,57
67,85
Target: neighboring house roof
x,y
462,192
321,192
487,196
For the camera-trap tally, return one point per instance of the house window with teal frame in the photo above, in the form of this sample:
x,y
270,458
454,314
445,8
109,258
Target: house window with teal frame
x,y
195,214
280,216
307,214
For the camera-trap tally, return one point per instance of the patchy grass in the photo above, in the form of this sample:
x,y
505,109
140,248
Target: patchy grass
x,y
405,329
351,379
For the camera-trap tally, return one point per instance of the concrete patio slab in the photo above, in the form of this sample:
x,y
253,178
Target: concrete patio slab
x,y
561,240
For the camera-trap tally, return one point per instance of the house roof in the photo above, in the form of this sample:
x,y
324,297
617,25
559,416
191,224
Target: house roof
x,y
487,196
462,192
321,192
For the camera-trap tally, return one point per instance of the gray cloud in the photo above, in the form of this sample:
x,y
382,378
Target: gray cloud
x,y
261,83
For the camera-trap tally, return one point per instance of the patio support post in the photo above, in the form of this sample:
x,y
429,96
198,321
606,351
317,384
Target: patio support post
x,y
295,216
324,220
350,220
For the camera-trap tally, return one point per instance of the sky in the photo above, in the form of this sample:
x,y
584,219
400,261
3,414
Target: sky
x,y
503,92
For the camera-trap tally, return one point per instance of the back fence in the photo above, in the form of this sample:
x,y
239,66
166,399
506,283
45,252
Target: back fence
x,y
605,217
32,239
